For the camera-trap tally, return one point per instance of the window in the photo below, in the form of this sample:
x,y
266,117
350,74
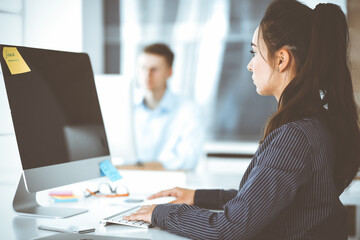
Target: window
x,y
211,40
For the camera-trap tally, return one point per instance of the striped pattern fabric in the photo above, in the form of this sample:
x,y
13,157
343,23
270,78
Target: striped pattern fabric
x,y
287,192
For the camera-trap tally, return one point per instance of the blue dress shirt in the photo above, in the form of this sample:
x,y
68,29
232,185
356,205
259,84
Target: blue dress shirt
x,y
172,133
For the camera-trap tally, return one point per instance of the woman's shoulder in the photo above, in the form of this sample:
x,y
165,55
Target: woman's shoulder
x,y
296,142
305,123
309,131
313,128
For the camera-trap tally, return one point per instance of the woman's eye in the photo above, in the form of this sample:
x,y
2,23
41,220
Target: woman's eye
x,y
252,52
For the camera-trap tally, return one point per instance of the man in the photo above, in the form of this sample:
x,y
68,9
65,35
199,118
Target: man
x,y
168,128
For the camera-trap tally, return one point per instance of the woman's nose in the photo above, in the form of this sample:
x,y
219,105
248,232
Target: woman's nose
x,y
249,66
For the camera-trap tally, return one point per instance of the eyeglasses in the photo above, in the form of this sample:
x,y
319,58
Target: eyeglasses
x,y
105,190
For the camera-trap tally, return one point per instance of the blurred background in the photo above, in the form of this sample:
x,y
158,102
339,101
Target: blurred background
x,y
211,40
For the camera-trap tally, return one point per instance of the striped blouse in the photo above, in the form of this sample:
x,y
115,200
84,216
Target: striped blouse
x,y
287,192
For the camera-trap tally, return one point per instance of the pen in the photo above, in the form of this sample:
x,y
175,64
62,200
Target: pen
x,y
62,230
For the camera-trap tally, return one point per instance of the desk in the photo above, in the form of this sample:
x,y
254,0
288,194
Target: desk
x,y
13,226
17,227
217,174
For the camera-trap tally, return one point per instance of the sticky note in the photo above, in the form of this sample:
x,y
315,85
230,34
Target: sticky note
x,y
61,193
109,170
63,199
14,61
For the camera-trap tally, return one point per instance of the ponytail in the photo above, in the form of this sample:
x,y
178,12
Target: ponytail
x,y
326,63
322,85
327,66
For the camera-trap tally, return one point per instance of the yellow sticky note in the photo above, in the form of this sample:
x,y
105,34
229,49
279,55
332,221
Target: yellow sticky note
x,y
15,61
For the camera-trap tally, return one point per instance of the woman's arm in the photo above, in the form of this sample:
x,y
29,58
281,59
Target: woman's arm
x,y
270,187
213,199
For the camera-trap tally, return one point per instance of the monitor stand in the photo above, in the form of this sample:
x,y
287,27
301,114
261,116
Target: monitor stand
x,y
25,203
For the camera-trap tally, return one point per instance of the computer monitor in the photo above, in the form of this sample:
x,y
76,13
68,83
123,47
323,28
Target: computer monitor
x,y
57,121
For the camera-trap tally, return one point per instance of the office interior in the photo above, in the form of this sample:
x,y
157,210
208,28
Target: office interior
x,y
211,41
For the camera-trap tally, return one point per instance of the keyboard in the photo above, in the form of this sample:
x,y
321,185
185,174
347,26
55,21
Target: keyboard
x,y
118,219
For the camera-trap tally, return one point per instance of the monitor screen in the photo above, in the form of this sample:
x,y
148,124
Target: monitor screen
x,y
56,117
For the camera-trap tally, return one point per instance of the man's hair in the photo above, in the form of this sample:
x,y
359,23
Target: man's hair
x,y
162,50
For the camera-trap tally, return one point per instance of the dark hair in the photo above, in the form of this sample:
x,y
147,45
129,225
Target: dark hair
x,y
318,40
162,50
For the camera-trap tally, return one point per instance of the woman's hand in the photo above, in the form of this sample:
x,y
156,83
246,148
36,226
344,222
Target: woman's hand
x,y
182,195
143,214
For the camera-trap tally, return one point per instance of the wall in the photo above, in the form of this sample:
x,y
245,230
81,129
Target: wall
x,y
55,24
93,33
354,31
10,33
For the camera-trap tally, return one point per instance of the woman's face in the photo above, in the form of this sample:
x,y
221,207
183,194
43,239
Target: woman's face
x,y
263,75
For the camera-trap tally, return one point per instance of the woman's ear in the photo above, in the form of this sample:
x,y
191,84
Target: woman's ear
x,y
283,59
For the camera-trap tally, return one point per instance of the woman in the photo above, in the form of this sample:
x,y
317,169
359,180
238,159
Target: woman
x,y
310,149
